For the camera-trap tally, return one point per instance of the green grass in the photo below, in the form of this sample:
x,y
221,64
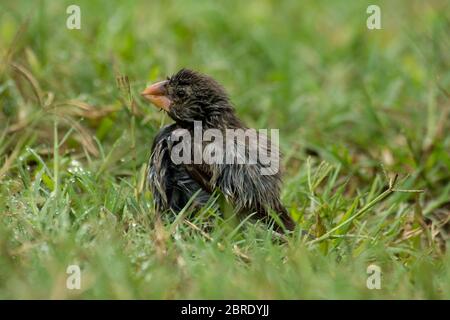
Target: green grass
x,y
355,108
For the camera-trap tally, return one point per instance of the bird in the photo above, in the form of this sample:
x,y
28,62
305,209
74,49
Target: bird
x,y
189,98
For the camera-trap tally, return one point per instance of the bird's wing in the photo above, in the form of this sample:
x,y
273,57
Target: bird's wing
x,y
201,176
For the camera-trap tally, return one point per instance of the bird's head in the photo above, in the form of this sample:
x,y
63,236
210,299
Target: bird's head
x,y
189,96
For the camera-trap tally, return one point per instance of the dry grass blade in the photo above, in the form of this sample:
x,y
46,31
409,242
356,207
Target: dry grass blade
x,y
85,137
31,80
12,157
85,110
10,51
123,83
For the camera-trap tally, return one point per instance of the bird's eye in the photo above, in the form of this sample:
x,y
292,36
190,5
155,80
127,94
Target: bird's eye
x,y
181,92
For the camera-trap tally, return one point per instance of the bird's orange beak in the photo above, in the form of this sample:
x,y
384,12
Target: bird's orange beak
x,y
157,94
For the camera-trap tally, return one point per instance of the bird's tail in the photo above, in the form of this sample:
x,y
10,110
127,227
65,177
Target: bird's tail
x,y
285,217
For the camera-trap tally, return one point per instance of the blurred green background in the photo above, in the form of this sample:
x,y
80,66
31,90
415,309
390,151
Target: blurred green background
x,y
354,107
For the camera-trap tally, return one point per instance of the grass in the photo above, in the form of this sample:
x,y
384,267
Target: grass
x,y
364,127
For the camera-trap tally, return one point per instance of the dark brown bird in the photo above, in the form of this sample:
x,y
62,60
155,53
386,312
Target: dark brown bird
x,y
189,97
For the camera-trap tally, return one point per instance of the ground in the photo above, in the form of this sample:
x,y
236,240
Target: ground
x,y
364,127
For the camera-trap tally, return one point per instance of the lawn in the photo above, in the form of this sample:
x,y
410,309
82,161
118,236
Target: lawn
x,y
364,120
